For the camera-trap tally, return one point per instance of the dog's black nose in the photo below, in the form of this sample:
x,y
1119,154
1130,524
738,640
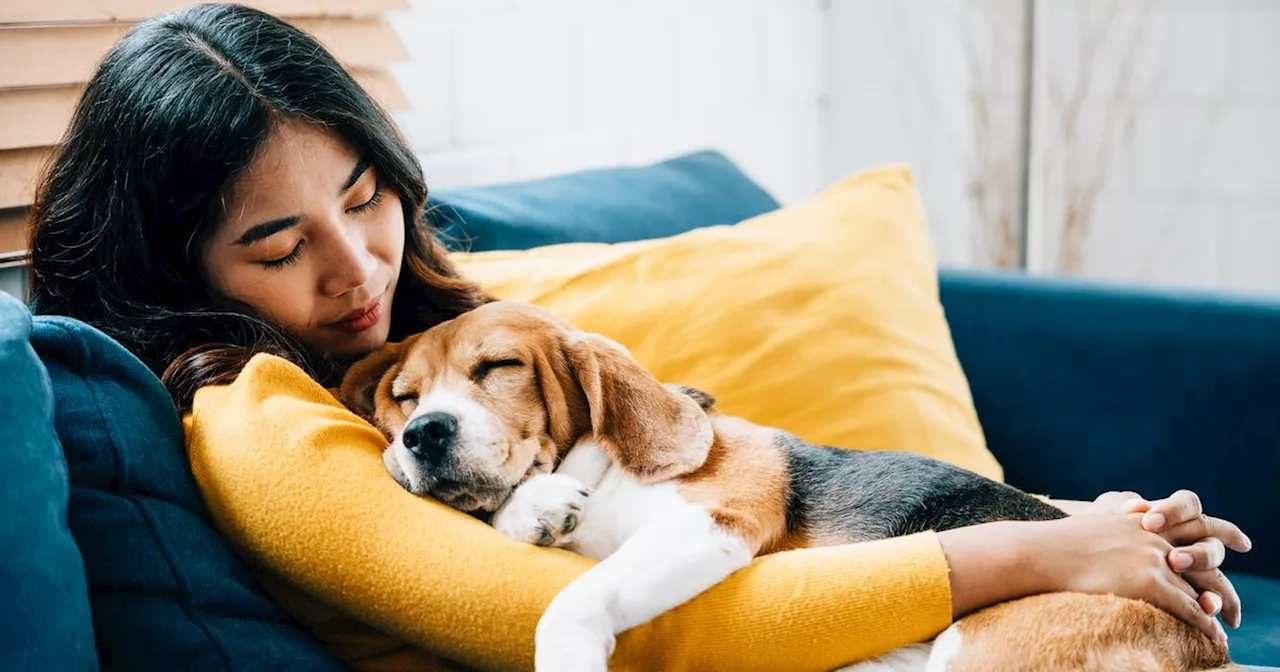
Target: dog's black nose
x,y
430,433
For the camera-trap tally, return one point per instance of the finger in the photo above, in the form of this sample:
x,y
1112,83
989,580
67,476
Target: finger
x,y
1125,501
1116,497
1177,581
1214,581
1230,534
1206,526
1210,602
1136,506
1203,555
1188,610
1179,507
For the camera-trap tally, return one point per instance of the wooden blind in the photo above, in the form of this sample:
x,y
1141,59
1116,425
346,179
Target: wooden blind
x,y
49,49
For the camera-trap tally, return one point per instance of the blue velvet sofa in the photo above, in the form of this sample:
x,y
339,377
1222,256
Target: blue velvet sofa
x,y
107,560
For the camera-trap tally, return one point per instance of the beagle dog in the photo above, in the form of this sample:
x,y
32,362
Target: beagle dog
x,y
558,437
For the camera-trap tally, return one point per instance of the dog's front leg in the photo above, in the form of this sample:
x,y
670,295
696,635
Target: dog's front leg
x,y
544,510
664,564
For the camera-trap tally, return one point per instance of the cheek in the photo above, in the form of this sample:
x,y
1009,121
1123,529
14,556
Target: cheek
x,y
279,297
390,419
386,241
517,420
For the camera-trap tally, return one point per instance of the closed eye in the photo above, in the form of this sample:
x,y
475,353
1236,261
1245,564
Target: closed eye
x,y
483,368
408,396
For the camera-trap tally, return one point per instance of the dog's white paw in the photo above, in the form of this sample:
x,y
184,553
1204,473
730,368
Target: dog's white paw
x,y
544,510
572,644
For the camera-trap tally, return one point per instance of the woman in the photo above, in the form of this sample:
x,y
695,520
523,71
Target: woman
x,y
226,189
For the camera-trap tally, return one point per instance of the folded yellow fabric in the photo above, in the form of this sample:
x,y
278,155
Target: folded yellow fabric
x,y
296,483
821,319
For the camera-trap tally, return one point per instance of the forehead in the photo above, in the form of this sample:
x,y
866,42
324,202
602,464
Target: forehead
x,y
440,349
294,160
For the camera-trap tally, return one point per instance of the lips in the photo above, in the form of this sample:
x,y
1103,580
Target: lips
x,y
360,319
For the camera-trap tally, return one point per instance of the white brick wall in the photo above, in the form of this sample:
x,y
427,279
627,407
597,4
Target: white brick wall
x,y
515,89
1193,197
1176,112
911,82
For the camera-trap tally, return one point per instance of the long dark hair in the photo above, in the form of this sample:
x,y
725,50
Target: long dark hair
x,y
174,113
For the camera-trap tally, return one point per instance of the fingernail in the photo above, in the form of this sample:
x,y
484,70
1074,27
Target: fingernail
x,y
1181,560
1215,603
1153,521
1248,543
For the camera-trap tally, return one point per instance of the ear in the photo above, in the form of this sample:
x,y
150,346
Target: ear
x,y
647,429
360,384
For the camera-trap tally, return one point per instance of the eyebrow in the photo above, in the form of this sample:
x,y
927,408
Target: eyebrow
x,y
267,229
361,166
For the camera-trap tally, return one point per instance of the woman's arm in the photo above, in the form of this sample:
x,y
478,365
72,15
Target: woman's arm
x,y
296,482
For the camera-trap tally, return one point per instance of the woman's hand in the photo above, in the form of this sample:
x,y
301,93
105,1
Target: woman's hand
x,y
1113,553
1099,553
1200,543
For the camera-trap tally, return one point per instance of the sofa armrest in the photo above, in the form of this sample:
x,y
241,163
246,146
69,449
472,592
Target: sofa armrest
x,y
1083,388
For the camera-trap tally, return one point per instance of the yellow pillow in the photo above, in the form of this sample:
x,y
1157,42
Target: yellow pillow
x,y
821,319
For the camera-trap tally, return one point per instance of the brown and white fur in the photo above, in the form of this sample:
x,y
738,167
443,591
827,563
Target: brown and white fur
x,y
557,437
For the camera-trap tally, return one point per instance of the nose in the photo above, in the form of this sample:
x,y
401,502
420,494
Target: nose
x,y
351,264
430,434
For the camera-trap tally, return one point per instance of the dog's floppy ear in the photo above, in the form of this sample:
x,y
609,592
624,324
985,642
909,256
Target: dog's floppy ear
x,y
647,429
360,384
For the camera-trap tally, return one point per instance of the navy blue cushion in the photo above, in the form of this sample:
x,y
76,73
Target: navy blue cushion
x,y
1257,642
167,593
603,206
1083,388
44,623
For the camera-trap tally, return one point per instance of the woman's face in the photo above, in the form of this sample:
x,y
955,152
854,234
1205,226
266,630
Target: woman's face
x,y
311,241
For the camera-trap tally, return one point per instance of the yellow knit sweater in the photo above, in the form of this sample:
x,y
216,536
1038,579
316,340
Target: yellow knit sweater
x,y
391,581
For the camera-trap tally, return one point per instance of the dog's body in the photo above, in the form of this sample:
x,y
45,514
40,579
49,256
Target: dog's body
x,y
673,496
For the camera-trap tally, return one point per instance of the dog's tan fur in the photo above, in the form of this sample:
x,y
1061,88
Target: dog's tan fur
x,y
744,484
1072,631
575,386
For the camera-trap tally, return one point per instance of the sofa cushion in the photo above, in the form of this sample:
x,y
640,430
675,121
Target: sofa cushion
x,y
45,623
167,593
821,319
1257,642
1084,387
605,206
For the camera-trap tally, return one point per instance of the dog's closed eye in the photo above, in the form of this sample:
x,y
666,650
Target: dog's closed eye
x,y
407,400
484,367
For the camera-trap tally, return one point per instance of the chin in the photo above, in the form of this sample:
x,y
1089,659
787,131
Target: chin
x,y
349,346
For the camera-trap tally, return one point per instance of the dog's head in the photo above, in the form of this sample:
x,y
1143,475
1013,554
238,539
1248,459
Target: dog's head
x,y
476,404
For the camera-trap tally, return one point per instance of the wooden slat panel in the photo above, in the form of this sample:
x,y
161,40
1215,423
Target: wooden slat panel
x,y
93,11
383,87
357,43
13,230
19,170
36,117
52,56
61,55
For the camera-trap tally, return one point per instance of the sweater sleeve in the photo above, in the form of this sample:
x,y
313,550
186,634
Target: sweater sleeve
x,y
296,483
